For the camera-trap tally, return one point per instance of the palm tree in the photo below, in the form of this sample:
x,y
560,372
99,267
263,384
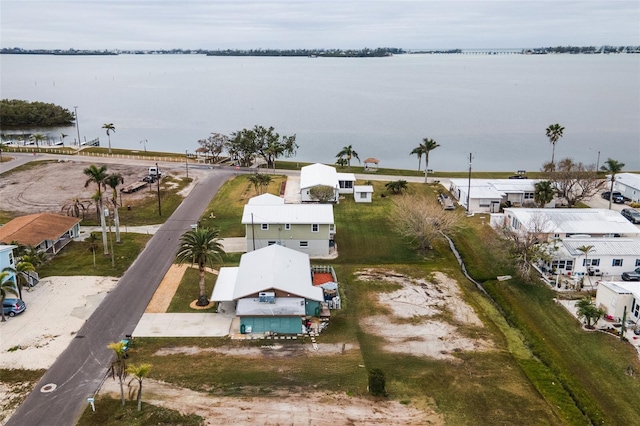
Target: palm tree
x,y
543,192
202,247
586,250
98,175
419,151
93,239
37,137
6,284
139,372
112,181
429,145
341,162
349,153
21,272
119,365
259,181
397,186
33,255
589,311
612,167
110,128
554,132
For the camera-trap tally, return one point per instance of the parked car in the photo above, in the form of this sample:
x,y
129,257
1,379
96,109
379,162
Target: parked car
x,y
632,215
13,307
631,275
616,198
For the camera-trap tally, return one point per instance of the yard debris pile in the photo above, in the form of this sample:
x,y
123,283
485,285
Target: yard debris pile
x,y
437,304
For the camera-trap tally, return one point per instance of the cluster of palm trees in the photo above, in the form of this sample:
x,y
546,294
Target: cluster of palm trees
x,y
120,370
260,181
102,179
424,148
345,155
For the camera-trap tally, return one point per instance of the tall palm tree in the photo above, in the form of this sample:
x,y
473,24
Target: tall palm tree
x,y
612,167
139,373
348,153
419,151
586,250
202,247
119,365
543,192
429,145
110,128
20,271
98,175
554,132
6,284
112,181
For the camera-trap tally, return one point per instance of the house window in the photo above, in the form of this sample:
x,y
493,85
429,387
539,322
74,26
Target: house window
x,y
346,184
569,265
287,227
484,203
637,262
363,195
10,258
515,224
304,244
271,243
592,262
528,195
315,227
616,262
556,236
264,226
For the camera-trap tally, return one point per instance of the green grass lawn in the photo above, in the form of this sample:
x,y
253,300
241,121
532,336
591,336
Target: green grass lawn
x,y
77,259
189,290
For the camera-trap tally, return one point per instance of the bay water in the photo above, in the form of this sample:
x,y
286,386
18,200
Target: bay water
x,y
494,107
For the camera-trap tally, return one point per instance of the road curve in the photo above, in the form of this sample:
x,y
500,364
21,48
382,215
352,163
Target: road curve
x,y
78,372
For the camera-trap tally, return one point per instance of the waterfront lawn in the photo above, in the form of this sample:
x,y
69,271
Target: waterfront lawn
x,y
225,210
77,259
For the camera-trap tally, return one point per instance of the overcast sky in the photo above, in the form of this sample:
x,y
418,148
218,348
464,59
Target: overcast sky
x,y
240,24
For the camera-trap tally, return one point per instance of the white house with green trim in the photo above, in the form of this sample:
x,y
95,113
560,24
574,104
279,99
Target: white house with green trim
x,y
308,228
272,289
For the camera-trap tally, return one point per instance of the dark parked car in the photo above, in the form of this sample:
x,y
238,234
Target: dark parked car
x,y
616,198
632,215
13,307
631,275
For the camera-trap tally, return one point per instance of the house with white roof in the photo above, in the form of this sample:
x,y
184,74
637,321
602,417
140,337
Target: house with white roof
x,y
629,185
556,224
487,195
308,228
272,290
320,174
606,256
615,296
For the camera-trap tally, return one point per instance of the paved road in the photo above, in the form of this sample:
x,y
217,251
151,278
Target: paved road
x,y
80,369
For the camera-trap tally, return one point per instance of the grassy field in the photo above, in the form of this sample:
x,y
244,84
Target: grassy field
x,y
110,412
77,259
189,290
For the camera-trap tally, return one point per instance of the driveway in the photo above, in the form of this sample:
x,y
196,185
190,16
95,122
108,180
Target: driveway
x,y
183,325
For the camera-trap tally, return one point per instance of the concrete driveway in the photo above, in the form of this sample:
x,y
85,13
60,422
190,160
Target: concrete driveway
x,y
183,325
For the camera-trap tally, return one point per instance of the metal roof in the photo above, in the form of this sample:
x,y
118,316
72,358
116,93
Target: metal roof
x,y
318,174
225,283
603,246
495,188
629,179
574,221
283,306
363,188
266,200
288,213
623,287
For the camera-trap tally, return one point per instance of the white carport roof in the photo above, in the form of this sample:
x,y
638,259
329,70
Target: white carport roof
x,y
270,268
283,306
225,284
623,287
288,213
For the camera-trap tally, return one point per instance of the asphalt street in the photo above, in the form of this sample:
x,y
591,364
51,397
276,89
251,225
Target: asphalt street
x,y
61,395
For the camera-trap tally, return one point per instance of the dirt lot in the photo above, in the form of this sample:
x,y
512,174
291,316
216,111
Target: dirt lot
x,y
47,188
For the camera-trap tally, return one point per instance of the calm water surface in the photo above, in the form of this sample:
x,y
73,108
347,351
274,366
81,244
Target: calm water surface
x,y
496,107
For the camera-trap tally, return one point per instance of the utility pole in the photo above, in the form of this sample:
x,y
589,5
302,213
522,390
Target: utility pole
x,y
186,161
469,187
75,108
158,177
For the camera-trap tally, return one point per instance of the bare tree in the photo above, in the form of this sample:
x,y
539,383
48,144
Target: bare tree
x,y
573,182
214,145
528,244
422,219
